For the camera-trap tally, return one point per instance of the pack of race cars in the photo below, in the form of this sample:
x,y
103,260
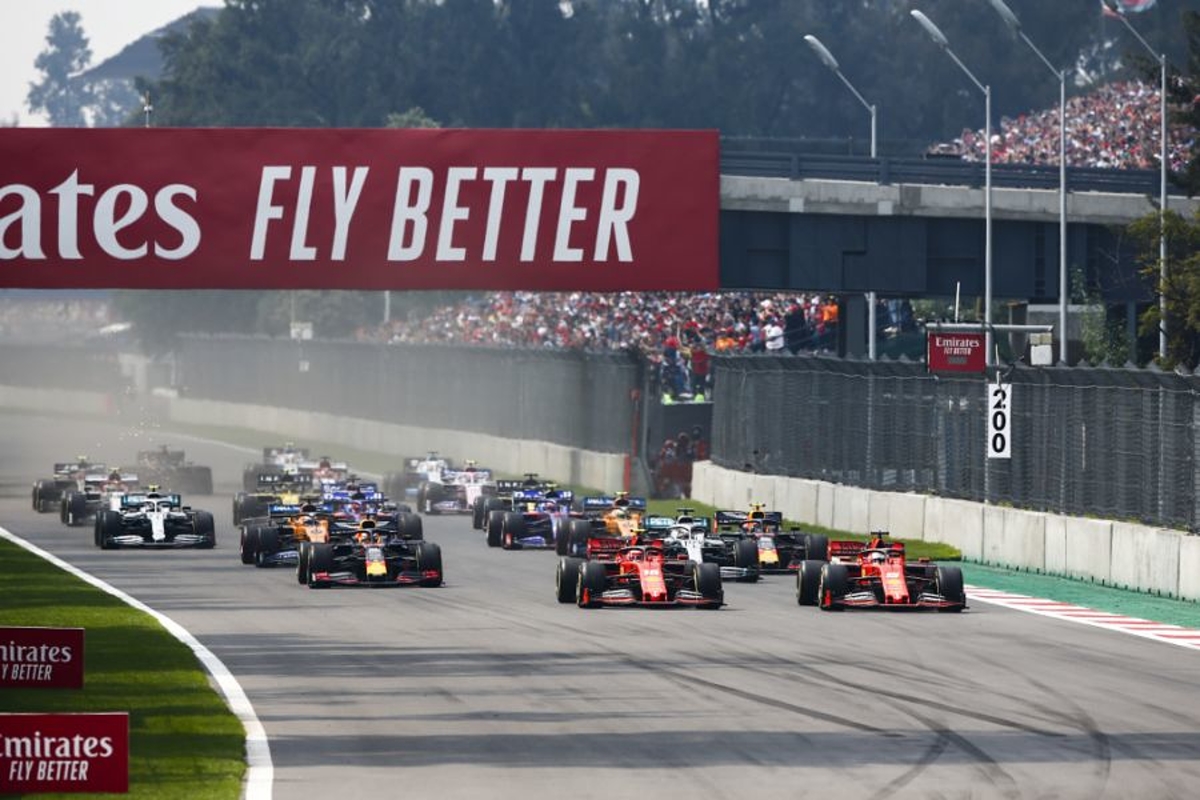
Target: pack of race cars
x,y
332,528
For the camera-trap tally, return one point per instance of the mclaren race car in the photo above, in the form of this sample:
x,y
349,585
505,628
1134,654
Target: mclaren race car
x,y
154,520
876,574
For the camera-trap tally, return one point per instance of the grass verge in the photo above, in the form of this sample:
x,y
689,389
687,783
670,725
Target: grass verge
x,y
184,741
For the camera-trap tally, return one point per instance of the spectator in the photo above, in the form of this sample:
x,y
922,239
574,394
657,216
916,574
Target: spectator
x,y
773,335
700,368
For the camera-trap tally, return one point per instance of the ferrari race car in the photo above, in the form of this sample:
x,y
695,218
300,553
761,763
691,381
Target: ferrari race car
x,y
639,575
170,469
99,491
68,476
735,554
876,574
154,520
536,519
779,550
370,558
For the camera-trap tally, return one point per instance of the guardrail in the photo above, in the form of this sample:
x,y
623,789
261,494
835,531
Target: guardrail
x,y
938,171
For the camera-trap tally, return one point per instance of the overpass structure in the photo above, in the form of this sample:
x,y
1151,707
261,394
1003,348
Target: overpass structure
x,y
915,228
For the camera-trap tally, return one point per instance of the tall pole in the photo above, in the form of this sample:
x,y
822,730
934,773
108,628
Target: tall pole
x,y
940,40
828,60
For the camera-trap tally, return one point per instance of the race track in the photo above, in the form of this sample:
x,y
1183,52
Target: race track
x,y
488,688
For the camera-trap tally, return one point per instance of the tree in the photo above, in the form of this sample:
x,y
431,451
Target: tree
x,y
60,94
1181,288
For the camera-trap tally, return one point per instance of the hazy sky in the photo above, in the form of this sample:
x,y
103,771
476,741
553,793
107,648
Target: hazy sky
x,y
108,24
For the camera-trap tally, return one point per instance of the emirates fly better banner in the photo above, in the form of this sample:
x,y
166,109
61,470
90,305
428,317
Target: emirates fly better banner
x,y
358,209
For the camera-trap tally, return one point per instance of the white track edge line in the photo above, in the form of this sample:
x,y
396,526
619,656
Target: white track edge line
x,y
260,772
1108,626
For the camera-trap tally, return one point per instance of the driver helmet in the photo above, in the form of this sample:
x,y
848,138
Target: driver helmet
x,y
878,556
620,513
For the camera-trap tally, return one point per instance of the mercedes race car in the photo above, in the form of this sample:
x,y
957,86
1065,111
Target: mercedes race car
x,y
640,575
154,520
779,550
876,574
370,558
734,553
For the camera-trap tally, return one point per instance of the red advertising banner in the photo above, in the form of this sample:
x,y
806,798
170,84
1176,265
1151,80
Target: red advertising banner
x,y
272,208
50,658
955,352
64,753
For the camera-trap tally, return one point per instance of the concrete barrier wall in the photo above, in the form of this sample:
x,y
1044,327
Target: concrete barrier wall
x,y
1189,567
956,523
1146,560
1014,538
1088,549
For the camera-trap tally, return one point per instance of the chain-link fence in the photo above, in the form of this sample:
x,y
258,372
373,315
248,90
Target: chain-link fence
x,y
572,398
1116,443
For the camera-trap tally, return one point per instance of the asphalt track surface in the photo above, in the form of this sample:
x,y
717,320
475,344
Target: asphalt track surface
x,y
488,688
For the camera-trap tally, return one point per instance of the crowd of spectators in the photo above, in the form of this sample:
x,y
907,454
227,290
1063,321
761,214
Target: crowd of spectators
x,y
1115,126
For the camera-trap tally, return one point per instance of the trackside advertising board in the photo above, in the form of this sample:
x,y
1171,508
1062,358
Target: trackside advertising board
x,y
955,352
274,208
64,753
41,658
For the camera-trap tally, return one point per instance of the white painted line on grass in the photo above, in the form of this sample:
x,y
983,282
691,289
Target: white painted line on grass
x,y
1133,626
260,774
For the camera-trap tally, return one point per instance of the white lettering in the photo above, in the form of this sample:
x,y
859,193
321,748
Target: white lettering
x,y
301,251
265,211
107,225
452,212
538,177
68,213
344,203
614,219
29,214
178,219
569,213
407,211
499,176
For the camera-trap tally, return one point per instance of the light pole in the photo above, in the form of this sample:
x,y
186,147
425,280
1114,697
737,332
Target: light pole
x,y
828,60
940,39
1161,58
1014,25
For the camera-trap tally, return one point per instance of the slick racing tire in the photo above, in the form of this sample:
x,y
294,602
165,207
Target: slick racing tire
x,y
488,505
249,545
745,555
206,528
512,530
410,526
495,522
566,578
832,586
578,534
76,504
302,562
429,559
816,547
108,528
591,584
950,586
707,578
267,545
320,559
807,579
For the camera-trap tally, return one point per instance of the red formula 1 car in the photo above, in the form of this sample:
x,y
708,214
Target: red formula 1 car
x,y
637,575
876,574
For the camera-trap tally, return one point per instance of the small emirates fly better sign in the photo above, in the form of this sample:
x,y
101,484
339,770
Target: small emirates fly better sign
x,y
955,352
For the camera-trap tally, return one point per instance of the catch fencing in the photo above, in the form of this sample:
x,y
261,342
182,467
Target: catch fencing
x,y
1113,443
571,398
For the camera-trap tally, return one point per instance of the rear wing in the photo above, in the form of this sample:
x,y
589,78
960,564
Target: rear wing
x,y
604,503
272,453
135,501
658,523
732,518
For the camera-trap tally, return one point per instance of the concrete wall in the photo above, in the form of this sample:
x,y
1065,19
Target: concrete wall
x,y
1137,557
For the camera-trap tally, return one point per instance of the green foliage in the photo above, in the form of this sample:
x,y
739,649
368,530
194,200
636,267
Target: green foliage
x,y
58,94
1181,288
184,741
414,117
1104,339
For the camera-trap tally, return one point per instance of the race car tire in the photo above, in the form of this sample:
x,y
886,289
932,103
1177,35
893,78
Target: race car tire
x,y
429,559
34,497
237,508
206,528
512,529
410,526
577,538
816,547
477,513
195,480
41,502
62,507
76,508
950,586
707,578
745,555
566,578
108,527
808,577
490,504
320,559
593,580
427,495
268,545
250,479
249,545
495,522
305,552
832,586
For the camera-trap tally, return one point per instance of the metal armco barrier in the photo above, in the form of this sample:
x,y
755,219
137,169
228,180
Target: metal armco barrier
x,y
1111,443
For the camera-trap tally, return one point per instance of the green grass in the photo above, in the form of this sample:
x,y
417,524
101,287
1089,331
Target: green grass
x,y
184,741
